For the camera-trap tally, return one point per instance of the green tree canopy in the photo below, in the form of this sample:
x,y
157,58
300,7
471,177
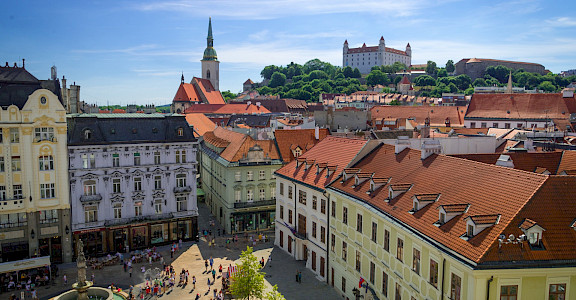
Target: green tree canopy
x,y
274,294
424,80
499,72
277,79
248,281
356,73
479,82
348,72
450,66
228,95
268,71
547,86
442,73
462,81
430,67
377,77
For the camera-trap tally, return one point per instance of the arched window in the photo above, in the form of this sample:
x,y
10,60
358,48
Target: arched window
x,y
180,131
207,74
87,134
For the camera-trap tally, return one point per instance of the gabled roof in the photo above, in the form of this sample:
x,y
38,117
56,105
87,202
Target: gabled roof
x,y
200,123
336,152
437,114
489,189
227,109
405,80
249,120
287,139
520,106
236,145
186,93
198,91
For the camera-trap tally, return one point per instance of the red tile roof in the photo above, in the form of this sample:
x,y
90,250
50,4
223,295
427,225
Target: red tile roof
x,y
489,189
336,152
199,91
289,139
568,161
365,49
227,109
200,122
437,114
237,144
525,161
520,106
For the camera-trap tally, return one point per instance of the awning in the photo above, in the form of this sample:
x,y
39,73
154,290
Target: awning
x,y
25,264
200,192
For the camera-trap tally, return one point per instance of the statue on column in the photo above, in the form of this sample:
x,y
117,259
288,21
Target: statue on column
x,y
81,264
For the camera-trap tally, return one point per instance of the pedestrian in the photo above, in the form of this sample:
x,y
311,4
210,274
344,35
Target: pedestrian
x,y
197,296
65,279
215,292
92,278
172,252
213,242
220,269
300,277
211,263
34,296
125,267
205,265
149,260
208,283
180,245
270,261
130,293
218,231
186,275
213,275
193,282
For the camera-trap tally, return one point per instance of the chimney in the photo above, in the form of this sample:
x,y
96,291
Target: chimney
x,y
317,132
402,143
430,147
568,93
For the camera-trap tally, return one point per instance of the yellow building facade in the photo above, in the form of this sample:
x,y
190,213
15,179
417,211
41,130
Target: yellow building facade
x,y
34,189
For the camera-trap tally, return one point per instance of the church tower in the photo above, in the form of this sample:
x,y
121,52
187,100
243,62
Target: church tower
x,y
210,63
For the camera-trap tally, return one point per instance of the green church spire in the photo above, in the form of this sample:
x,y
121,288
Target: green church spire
x,y
210,53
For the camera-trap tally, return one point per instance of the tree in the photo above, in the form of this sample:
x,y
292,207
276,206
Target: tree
x,y
348,72
228,95
462,81
268,71
450,66
499,72
274,294
442,73
248,281
376,77
547,86
424,80
277,79
479,82
317,74
356,73
430,67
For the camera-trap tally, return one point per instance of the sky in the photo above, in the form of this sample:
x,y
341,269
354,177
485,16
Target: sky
x,y
134,52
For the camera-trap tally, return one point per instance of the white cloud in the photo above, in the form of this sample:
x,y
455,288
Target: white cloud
x,y
562,22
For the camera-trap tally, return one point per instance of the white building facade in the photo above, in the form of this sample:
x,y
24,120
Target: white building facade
x,y
132,181
364,58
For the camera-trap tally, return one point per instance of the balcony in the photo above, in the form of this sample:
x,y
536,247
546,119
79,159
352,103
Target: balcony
x,y
87,225
90,198
38,139
301,235
138,219
11,204
254,203
182,189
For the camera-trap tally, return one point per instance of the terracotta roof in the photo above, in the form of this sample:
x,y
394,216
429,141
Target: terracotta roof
x,y
520,106
200,122
119,111
237,144
485,219
304,138
489,189
525,161
527,224
455,208
186,93
198,91
437,114
249,81
568,161
365,49
405,80
227,109
427,197
336,152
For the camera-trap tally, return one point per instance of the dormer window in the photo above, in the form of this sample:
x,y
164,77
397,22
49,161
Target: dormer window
x,y
397,189
87,134
449,211
360,177
348,172
330,170
377,182
299,161
297,152
422,200
475,224
320,167
180,131
533,232
309,163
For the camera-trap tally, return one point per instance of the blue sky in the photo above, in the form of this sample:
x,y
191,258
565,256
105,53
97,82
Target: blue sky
x,y
125,52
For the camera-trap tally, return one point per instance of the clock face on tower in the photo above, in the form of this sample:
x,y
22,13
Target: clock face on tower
x,y
43,100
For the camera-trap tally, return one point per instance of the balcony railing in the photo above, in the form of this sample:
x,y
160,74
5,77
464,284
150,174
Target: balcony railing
x,y
137,219
182,189
90,198
301,235
254,203
87,225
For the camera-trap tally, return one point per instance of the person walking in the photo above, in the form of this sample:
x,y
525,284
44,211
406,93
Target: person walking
x,y
213,275
211,263
65,279
197,296
205,265
193,282
299,277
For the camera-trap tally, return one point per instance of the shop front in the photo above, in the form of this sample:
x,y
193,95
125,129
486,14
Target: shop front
x,y
52,247
139,237
159,233
15,251
118,239
94,241
249,221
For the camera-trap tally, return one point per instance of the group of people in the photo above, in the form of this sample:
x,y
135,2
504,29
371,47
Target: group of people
x,y
28,280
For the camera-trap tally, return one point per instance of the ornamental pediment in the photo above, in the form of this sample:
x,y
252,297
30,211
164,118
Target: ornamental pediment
x,y
117,198
158,194
137,172
138,196
157,171
89,176
116,174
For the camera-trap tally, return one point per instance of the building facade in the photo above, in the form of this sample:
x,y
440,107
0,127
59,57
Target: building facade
x,y
237,174
301,201
364,58
477,231
132,181
34,196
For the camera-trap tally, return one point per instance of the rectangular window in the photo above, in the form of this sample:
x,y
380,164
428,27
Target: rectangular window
x,y
557,291
116,185
281,239
416,260
314,202
333,210
262,194
117,211
281,212
238,176
281,188
138,208
181,180
2,192
385,284
359,223
374,232
16,165
238,195
519,125
323,206
137,183
345,215
273,192
344,251
17,191
323,234
314,229
47,190
455,287
400,250
262,174
472,124
2,168
507,125
157,182
89,187
495,125
157,158
290,192
358,261
510,292
48,216
88,161
249,175
90,213
290,216
433,273
158,206
43,134
115,160
14,135
302,197
470,231
46,163
181,203
398,292
343,284
483,125
249,195
136,159
332,242
372,272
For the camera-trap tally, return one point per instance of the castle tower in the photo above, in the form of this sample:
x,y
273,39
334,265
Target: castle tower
x,y
344,52
408,50
210,63
382,44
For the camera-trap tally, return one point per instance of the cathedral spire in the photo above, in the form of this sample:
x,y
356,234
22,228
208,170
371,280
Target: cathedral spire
x,y
210,53
210,39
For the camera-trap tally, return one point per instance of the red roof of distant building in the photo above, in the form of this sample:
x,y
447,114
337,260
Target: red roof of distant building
x,y
199,91
287,139
237,144
405,80
227,109
473,60
437,114
119,111
521,106
200,123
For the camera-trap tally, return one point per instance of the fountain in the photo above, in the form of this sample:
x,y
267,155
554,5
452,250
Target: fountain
x,y
84,289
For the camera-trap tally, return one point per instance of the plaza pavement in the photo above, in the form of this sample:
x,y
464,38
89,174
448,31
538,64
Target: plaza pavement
x,y
191,257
